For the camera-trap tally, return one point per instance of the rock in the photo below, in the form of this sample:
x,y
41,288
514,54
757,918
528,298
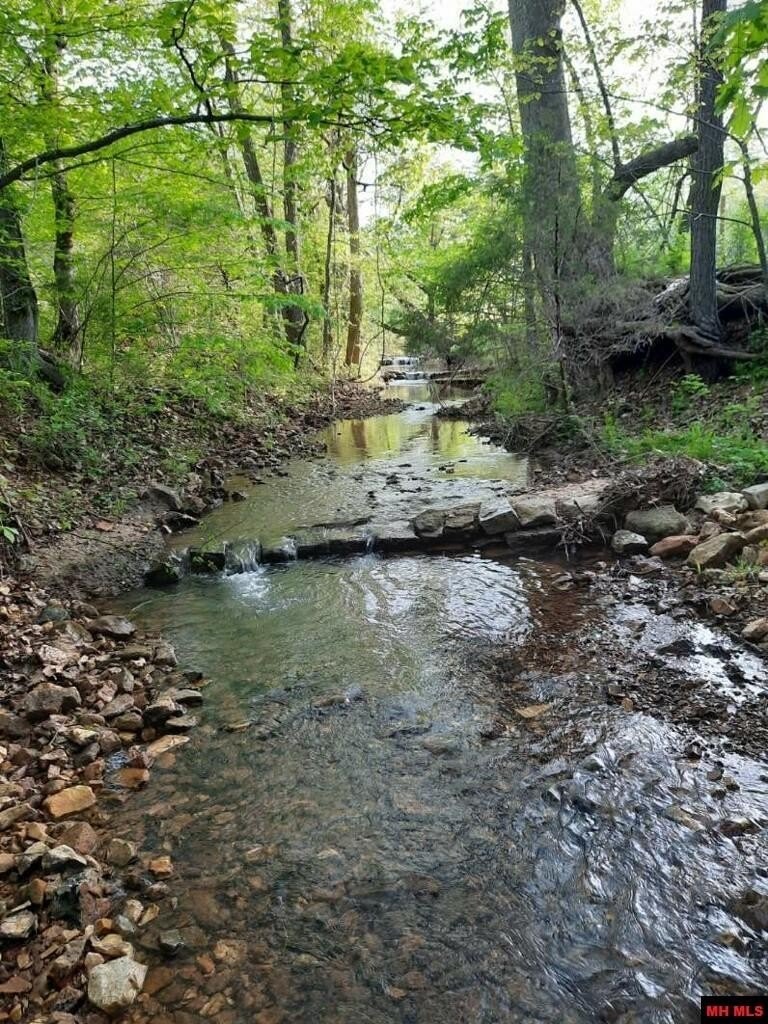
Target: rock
x,y
675,812
721,606
532,511
56,612
115,626
679,546
80,737
121,852
161,867
164,574
186,696
723,501
119,706
113,986
80,836
13,727
580,506
171,942
165,744
242,556
69,801
49,699
207,562
111,946
396,536
162,495
462,520
756,630
498,517
757,496
31,856
17,927
283,551
17,812
716,552
164,654
7,863
656,523
429,523
158,713
63,858
132,778
756,535
624,542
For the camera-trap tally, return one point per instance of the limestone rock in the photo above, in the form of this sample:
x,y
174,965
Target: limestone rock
x,y
115,626
80,836
723,501
462,519
498,517
70,801
429,523
113,986
624,542
62,858
656,523
716,551
17,927
533,511
757,495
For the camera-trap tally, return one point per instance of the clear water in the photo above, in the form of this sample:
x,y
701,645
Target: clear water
x,y
385,838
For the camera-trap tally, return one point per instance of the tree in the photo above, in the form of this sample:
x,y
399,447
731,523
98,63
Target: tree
x,y
352,353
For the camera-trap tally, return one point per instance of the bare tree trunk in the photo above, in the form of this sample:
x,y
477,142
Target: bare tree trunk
x,y
352,356
18,299
707,186
296,318
328,273
67,335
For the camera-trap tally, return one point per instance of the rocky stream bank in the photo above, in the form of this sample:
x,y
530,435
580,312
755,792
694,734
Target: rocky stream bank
x,y
92,708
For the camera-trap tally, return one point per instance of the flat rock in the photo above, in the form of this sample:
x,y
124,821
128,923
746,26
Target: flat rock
x,y
655,523
723,501
716,551
17,812
624,542
679,546
114,986
70,801
396,536
161,494
429,523
165,744
115,626
498,517
532,511
80,836
49,699
283,551
462,520
18,927
757,495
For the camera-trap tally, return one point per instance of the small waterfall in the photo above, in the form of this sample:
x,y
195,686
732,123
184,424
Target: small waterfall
x,y
242,556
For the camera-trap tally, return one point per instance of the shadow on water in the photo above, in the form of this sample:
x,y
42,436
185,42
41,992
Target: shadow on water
x,y
399,832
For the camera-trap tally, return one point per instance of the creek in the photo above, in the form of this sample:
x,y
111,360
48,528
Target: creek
x,y
409,800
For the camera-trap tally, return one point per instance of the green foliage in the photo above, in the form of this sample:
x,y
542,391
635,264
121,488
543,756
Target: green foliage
x,y
514,396
688,388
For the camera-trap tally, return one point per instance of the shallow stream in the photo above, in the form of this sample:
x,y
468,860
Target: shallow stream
x,y
409,800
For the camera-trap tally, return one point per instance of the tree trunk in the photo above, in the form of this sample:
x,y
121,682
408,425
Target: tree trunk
x,y
706,186
296,319
551,194
328,273
352,356
67,336
18,299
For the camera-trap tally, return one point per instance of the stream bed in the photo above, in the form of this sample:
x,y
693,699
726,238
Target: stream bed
x,y
409,799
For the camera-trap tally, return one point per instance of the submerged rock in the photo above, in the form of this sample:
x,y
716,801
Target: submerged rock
x,y
113,986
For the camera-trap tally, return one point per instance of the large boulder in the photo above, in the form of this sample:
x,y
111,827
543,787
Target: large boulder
x,y
655,523
716,551
114,985
498,517
757,495
723,501
533,511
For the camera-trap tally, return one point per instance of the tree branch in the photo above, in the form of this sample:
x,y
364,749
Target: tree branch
x,y
652,160
124,132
